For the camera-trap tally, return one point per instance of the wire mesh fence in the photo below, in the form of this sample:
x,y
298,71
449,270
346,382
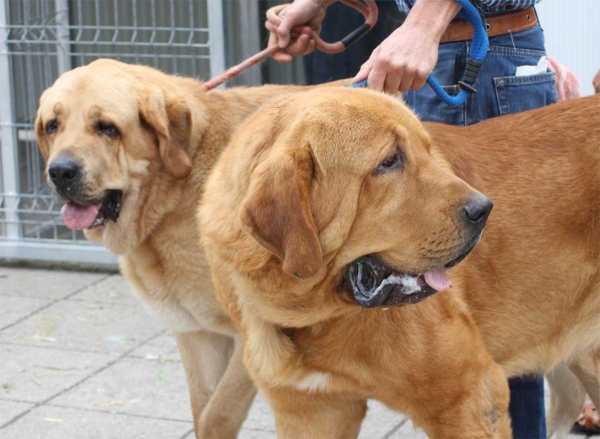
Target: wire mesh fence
x,y
37,216
41,39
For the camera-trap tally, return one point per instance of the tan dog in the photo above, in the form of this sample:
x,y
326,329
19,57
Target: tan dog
x,y
340,196
129,148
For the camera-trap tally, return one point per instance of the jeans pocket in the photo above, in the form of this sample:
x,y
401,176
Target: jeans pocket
x,y
429,107
521,93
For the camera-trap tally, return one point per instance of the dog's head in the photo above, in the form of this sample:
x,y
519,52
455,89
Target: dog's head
x,y
115,138
342,192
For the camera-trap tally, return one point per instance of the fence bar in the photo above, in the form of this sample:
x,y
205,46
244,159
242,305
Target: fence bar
x,y
63,55
250,42
94,255
8,133
216,38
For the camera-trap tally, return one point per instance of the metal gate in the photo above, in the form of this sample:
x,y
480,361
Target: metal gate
x,y
41,39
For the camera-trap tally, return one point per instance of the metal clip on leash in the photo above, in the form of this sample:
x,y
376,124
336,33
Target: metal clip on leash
x,y
477,54
368,9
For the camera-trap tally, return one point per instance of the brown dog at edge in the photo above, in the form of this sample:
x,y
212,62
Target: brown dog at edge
x,y
129,148
570,382
338,196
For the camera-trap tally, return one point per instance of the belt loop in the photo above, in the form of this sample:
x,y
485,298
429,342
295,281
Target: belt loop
x,y
537,17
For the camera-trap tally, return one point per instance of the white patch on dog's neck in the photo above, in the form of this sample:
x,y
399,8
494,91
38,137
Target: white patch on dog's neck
x,y
314,381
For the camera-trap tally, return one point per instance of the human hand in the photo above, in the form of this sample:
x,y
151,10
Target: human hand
x,y
402,61
408,56
290,27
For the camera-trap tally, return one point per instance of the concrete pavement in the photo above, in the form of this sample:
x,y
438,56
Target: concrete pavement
x,y
81,358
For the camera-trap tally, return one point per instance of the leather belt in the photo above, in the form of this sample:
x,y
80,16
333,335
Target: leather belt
x,y
495,26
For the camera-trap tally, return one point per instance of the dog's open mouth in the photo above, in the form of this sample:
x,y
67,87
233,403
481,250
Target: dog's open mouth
x,y
79,217
374,283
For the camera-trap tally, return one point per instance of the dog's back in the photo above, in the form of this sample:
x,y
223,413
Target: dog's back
x,y
533,282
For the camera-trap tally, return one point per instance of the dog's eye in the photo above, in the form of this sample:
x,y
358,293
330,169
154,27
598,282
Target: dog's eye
x,y
52,127
108,129
392,161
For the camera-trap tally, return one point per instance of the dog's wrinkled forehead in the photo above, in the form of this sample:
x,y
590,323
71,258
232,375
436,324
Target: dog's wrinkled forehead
x,y
84,92
341,128
357,117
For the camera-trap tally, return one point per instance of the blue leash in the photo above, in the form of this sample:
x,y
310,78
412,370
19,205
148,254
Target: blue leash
x,y
477,54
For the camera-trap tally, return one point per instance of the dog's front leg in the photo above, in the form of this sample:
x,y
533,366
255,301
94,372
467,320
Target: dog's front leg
x,y
587,370
444,377
205,357
310,415
569,384
227,409
567,396
479,411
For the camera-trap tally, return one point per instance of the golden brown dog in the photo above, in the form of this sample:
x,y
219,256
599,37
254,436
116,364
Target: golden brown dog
x,y
129,149
572,381
332,198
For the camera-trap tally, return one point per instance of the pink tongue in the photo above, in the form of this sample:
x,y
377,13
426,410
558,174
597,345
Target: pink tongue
x,y
79,217
437,279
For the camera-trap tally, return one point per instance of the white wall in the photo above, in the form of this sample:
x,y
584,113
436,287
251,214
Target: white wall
x,y
572,30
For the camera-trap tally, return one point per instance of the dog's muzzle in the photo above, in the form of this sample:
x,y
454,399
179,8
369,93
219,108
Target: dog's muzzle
x,y
374,283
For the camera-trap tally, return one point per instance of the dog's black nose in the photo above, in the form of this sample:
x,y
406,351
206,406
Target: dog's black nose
x,y
477,209
64,171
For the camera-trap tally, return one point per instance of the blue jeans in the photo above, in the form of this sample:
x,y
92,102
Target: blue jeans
x,y
499,92
527,411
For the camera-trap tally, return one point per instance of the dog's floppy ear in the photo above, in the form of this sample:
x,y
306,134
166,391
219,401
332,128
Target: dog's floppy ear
x,y
171,119
277,212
